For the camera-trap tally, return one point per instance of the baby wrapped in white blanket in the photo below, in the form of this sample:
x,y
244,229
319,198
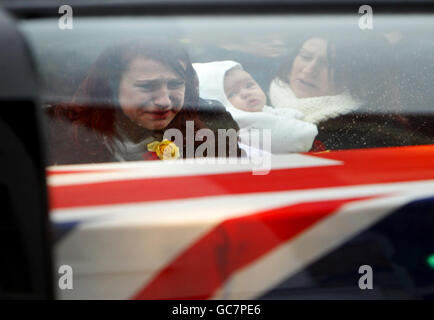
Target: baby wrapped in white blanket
x,y
228,83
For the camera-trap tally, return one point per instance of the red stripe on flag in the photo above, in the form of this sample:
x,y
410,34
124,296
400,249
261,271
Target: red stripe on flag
x,y
360,167
235,243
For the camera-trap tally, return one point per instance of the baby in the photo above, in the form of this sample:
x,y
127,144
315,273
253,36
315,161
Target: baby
x,y
228,83
243,92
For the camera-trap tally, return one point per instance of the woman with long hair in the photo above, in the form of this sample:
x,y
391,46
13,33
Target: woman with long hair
x,y
132,94
345,85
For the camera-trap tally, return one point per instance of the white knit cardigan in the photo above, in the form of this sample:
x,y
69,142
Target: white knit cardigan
x,y
316,109
288,132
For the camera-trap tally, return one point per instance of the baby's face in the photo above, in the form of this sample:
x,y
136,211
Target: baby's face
x,y
243,92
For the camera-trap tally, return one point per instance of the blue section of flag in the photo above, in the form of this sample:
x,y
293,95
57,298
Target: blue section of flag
x,y
397,248
60,230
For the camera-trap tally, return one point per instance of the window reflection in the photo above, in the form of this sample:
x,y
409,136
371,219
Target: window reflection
x,y
326,86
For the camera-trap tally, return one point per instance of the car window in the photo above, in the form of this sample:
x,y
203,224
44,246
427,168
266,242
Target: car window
x,y
317,83
281,95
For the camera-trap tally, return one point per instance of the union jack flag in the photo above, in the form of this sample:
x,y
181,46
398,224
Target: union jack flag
x,y
182,230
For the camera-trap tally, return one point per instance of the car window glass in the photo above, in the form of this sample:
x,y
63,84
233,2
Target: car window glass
x,y
318,83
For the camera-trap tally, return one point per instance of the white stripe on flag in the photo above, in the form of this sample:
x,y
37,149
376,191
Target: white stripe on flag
x,y
317,241
116,250
158,169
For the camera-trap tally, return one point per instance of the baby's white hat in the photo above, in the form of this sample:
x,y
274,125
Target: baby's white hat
x,y
211,79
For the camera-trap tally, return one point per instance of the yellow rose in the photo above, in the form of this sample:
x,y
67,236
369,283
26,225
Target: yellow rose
x,y
165,149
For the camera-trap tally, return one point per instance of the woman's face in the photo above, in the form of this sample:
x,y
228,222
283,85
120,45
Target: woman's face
x,y
151,94
309,75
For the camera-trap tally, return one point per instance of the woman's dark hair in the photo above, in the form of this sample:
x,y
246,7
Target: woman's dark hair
x,y
286,65
95,104
363,64
359,63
